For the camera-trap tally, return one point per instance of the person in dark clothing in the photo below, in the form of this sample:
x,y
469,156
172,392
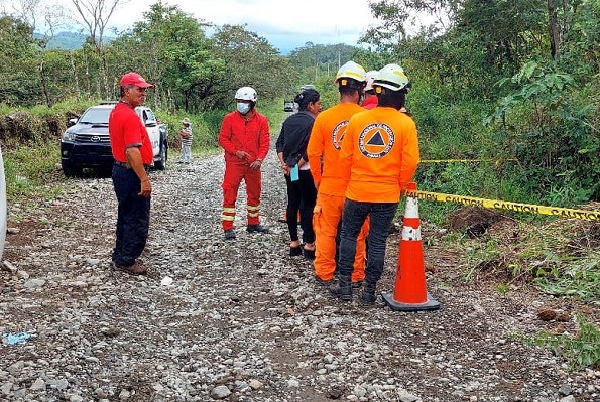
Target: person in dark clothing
x,y
301,191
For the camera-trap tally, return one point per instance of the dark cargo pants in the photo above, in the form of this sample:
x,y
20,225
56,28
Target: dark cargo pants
x,y
133,217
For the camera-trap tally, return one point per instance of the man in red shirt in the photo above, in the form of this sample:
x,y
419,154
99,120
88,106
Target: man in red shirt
x,y
132,151
245,138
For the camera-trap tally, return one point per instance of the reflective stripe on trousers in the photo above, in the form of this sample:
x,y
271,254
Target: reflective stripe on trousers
x,y
234,173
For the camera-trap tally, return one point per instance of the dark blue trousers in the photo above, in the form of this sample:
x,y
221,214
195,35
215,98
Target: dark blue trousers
x,y
353,217
133,217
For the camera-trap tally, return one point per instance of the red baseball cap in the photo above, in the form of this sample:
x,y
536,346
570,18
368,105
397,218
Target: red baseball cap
x,y
134,79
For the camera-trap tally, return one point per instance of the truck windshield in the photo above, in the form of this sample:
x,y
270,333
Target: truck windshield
x,y
96,116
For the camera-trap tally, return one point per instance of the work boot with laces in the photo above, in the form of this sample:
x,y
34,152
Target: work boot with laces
x,y
368,295
343,288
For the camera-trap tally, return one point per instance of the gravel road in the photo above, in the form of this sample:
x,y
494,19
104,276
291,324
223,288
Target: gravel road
x,y
242,321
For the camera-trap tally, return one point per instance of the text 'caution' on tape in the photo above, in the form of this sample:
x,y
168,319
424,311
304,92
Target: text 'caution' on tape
x,y
507,206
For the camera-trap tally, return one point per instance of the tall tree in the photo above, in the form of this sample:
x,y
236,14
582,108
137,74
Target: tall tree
x,y
95,15
18,78
170,47
251,61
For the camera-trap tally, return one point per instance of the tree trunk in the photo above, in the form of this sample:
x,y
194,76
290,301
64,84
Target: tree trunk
x,y
75,76
553,28
87,74
44,85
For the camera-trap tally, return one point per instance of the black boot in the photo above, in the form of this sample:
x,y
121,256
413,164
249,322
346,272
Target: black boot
x,y
343,288
368,295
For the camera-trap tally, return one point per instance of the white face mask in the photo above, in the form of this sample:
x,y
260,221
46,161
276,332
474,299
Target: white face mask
x,y
243,108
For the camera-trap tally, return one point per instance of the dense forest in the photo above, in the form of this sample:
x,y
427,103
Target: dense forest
x,y
514,82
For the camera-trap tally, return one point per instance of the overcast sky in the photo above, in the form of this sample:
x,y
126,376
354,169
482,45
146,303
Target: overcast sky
x,y
285,24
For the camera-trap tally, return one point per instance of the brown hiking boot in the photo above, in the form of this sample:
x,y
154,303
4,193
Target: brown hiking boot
x,y
135,269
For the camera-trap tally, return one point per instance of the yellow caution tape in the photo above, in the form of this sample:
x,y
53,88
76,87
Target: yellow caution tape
x,y
466,160
507,206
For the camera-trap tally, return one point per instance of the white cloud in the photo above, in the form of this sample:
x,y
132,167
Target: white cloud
x,y
319,21
285,24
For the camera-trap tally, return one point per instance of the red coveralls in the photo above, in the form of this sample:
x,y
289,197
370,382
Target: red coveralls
x,y
250,134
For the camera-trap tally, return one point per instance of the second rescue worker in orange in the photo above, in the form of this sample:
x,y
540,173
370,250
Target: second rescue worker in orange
x,y
323,152
245,138
379,156
132,151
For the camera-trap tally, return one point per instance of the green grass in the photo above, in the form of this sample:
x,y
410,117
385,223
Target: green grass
x,y
581,350
575,276
28,170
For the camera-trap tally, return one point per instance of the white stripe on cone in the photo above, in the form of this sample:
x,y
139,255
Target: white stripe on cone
x,y
411,234
411,210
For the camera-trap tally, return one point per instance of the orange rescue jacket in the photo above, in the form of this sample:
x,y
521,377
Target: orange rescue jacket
x,y
325,145
379,155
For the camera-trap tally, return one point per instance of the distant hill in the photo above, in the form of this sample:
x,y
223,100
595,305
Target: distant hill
x,y
65,40
74,40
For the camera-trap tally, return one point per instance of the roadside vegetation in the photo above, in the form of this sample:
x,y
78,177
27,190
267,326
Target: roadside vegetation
x,y
505,96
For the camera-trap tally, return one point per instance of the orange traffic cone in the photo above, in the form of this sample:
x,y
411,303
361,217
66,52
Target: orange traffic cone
x,y
410,290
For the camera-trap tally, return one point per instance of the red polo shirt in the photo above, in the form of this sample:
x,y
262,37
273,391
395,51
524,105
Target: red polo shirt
x,y
126,130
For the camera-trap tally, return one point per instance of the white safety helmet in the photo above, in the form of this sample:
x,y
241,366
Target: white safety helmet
x,y
370,77
392,77
246,93
351,70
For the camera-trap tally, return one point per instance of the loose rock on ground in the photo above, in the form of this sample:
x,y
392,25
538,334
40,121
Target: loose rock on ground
x,y
240,320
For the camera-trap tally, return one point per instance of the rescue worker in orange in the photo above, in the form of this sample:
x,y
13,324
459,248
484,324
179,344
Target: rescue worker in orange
x,y
370,100
245,138
379,156
323,152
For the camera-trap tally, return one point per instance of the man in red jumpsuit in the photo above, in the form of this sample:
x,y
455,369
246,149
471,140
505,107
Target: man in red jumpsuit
x,y
245,138
370,100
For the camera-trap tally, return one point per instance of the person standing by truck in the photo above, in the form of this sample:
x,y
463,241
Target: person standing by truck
x,y
245,138
186,141
132,151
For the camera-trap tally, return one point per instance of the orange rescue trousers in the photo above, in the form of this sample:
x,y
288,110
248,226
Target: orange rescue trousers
x,y
327,216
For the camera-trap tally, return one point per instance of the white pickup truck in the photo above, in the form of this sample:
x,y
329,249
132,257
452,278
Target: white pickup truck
x,y
86,143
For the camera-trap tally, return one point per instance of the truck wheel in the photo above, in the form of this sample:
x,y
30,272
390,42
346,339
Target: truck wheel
x,y
161,163
71,170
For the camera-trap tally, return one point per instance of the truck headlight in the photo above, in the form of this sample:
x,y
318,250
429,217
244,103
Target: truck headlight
x,y
68,136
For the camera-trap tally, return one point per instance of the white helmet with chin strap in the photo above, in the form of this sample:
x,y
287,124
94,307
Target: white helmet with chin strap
x,y
246,93
392,77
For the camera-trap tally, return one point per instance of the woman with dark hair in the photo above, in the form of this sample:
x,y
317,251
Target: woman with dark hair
x,y
301,191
